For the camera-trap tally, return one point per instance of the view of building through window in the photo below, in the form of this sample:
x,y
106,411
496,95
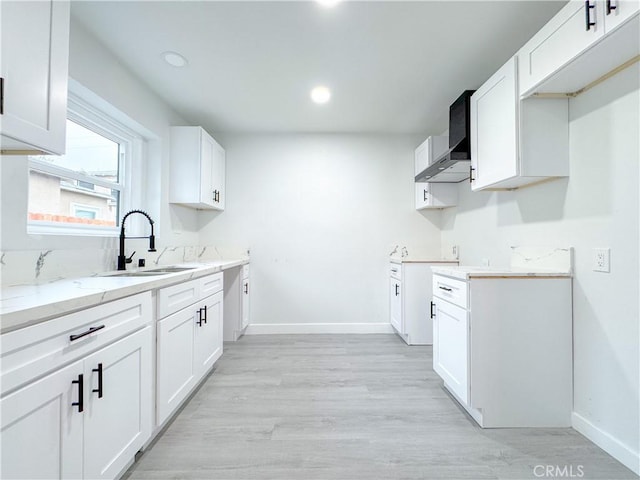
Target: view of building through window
x,y
81,187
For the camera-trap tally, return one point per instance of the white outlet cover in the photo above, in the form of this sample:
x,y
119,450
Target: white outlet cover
x,y
601,260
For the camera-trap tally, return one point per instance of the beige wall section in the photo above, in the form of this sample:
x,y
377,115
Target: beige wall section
x,y
597,206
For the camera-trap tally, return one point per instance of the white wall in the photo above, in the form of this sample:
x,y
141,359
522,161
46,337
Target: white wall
x,y
93,66
320,214
597,206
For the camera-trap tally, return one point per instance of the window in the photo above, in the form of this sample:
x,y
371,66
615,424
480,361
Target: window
x,y
85,191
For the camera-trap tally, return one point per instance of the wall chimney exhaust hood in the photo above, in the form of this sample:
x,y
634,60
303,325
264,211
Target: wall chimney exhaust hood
x,y
453,165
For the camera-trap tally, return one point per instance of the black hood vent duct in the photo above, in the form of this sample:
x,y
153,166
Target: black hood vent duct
x,y
453,165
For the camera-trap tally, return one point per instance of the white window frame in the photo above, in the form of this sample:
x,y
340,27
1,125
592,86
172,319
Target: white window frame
x,y
101,121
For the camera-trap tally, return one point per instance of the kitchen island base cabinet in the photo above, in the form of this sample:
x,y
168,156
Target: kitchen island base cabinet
x,y
507,357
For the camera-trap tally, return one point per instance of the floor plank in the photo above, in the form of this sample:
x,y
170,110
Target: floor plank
x,y
308,407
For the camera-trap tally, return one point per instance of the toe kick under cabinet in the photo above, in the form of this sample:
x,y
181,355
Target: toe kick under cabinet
x,y
77,392
189,339
503,347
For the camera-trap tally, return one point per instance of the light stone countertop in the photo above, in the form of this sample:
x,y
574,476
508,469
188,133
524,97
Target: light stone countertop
x,y
466,272
24,305
399,260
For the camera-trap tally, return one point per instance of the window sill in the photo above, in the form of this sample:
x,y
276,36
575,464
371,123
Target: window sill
x,y
52,228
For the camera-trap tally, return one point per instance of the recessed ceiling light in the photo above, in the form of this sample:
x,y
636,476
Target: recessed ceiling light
x,y
320,94
174,59
328,3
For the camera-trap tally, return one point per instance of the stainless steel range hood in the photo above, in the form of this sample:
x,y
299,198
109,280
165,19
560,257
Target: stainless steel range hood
x,y
453,166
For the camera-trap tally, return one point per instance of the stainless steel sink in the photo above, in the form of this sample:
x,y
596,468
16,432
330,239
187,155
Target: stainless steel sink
x,y
170,269
150,273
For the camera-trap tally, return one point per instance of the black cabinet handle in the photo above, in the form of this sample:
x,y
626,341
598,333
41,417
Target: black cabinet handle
x,y
397,287
446,289
99,389
80,402
610,7
200,319
471,170
216,196
425,195
432,314
1,96
84,334
587,13
205,313
246,287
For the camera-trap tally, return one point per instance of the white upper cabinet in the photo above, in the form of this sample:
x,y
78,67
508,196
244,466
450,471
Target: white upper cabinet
x,y
34,69
516,142
433,195
197,173
583,42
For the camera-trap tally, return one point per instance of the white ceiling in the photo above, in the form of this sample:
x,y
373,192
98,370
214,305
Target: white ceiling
x,y
392,66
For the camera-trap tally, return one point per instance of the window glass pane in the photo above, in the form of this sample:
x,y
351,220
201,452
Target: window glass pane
x,y
88,152
67,201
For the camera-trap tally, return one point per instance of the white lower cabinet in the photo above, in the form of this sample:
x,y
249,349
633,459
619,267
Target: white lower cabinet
x,y
78,398
237,302
39,422
409,300
117,418
189,342
450,329
503,346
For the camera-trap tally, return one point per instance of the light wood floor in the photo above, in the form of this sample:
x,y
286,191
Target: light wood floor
x,y
347,407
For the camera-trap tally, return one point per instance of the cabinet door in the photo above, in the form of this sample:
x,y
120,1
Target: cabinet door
x,y
207,170
119,414
219,172
208,334
175,360
451,347
41,429
395,307
561,40
246,293
617,11
35,57
494,134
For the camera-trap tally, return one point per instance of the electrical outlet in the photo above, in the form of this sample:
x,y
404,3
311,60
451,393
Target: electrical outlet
x,y
601,260
455,252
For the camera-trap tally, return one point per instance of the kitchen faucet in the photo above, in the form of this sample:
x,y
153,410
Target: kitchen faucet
x,y
122,258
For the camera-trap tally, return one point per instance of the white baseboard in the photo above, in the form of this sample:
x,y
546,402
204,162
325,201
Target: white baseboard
x,y
609,444
296,328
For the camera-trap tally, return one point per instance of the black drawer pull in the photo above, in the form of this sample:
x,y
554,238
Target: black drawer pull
x,y
80,402
587,12
246,287
397,288
446,289
610,7
84,334
99,389
432,314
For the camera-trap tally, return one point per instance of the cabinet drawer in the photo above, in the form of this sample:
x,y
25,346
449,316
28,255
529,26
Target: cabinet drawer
x,y
245,271
176,297
211,284
450,289
33,351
